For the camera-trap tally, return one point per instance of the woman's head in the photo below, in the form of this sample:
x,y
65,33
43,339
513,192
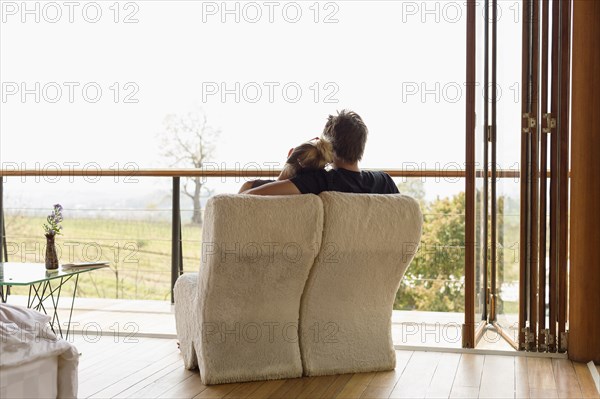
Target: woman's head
x,y
312,155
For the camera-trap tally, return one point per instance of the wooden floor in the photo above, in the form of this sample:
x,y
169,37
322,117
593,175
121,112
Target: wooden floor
x,y
152,368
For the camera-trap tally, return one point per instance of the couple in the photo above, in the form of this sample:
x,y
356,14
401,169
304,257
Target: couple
x,y
342,145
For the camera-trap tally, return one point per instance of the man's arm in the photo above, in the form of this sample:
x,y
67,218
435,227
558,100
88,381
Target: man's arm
x,y
281,187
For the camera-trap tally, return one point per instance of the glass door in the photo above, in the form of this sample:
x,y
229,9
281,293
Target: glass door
x,y
481,165
477,173
505,194
518,173
496,135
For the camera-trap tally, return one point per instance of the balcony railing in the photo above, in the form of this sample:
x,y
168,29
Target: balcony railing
x,y
176,252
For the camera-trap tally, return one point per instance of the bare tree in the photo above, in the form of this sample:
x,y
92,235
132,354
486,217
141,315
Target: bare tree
x,y
188,141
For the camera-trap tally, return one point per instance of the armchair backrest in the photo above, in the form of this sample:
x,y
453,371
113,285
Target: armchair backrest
x,y
256,256
345,317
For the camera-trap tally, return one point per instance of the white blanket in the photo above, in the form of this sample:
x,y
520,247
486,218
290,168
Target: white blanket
x,y
25,337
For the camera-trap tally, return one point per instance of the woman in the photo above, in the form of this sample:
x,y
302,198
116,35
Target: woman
x,y
312,155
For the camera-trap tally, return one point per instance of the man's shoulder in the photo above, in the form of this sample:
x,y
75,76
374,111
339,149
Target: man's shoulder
x,y
378,174
384,183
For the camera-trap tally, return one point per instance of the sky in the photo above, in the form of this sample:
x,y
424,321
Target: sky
x,y
90,83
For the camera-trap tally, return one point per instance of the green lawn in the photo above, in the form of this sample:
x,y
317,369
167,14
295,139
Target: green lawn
x,y
139,252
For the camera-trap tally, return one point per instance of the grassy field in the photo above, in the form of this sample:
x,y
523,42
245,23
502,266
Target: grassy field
x,y
139,253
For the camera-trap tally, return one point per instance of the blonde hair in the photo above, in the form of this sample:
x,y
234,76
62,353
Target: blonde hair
x,y
312,155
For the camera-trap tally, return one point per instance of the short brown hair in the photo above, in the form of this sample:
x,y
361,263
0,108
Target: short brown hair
x,y
348,135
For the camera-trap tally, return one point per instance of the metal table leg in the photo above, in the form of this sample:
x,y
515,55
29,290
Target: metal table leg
x,y
39,293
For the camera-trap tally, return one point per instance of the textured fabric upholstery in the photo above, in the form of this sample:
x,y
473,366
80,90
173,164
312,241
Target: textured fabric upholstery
x,y
346,311
295,285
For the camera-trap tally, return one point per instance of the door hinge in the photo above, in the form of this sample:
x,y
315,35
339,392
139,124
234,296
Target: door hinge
x,y
529,122
564,341
545,340
489,133
551,340
550,123
529,341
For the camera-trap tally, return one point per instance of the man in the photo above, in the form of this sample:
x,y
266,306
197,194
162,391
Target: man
x,y
348,135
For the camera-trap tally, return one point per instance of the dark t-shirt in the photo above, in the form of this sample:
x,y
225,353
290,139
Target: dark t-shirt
x,y
346,181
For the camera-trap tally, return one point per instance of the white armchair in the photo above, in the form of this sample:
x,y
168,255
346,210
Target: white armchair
x,y
295,285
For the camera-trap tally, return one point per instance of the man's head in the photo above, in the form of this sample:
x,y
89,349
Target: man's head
x,y
348,135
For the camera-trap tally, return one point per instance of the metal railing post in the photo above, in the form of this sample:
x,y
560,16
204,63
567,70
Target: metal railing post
x,y
176,252
3,252
180,248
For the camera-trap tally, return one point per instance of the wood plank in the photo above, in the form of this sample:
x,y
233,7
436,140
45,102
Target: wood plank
x,y
469,371
107,348
266,389
386,380
110,371
521,378
416,379
535,393
356,386
161,364
244,390
443,378
586,383
216,391
86,345
565,378
465,392
298,387
336,386
173,376
539,371
498,377
283,389
141,351
89,351
317,386
95,353
376,393
382,385
187,388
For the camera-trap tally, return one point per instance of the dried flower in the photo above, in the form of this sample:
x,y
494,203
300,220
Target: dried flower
x,y
54,219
